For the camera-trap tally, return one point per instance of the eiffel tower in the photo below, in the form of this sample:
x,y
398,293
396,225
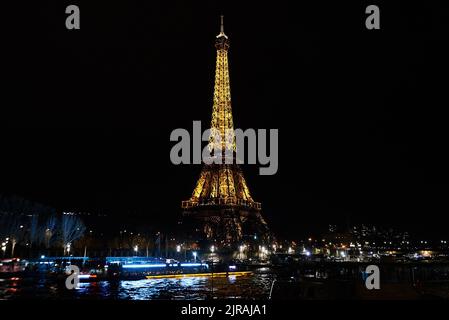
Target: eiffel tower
x,y
221,208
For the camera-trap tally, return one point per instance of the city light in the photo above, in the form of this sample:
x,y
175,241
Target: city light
x,y
144,265
194,255
194,265
263,251
136,248
212,249
426,253
178,248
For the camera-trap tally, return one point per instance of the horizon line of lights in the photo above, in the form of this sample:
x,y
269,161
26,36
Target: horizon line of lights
x,y
160,265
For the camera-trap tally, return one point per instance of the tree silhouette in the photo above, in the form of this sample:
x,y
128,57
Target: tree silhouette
x,y
72,228
48,231
11,229
34,229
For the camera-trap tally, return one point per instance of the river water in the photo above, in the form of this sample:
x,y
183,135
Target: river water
x,y
256,286
406,281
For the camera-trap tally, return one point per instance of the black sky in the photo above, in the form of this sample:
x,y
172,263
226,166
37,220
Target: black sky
x,y
86,115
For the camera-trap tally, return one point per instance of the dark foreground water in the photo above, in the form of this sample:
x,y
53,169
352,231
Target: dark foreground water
x,y
256,286
316,281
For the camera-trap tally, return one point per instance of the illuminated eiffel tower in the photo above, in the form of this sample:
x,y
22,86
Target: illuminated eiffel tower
x,y
221,208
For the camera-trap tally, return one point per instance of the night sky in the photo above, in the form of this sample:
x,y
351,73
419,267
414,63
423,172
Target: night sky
x,y
86,115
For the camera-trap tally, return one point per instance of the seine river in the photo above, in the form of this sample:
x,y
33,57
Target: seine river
x,y
398,281
256,286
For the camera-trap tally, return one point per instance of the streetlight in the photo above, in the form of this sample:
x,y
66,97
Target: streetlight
x,y
263,251
212,249
178,248
241,249
68,248
136,248
194,255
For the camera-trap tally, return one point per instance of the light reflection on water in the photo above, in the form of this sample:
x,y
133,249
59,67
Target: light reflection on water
x,y
250,287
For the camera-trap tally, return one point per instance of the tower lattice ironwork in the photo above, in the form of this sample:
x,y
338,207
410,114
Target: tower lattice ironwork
x,y
221,201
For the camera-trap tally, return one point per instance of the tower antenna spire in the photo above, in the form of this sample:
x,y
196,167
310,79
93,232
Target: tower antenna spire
x,y
222,34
